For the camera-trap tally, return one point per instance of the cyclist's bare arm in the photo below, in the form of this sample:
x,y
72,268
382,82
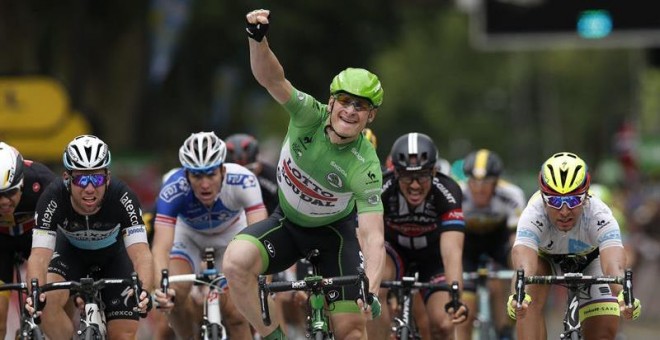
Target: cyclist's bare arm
x,y
140,255
525,258
161,246
451,248
37,267
372,242
266,69
256,216
613,262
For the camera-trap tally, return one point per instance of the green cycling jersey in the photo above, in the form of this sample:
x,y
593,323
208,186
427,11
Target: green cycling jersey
x,y
321,182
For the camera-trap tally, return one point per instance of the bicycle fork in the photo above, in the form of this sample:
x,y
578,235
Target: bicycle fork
x,y
572,317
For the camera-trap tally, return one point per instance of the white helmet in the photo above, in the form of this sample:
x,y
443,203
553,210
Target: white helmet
x,y
11,167
202,151
86,152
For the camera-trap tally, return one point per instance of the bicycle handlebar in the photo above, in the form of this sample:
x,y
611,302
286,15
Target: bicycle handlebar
x,y
574,279
487,274
312,283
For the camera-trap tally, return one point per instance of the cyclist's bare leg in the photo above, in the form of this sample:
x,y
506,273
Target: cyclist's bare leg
x,y
532,326
238,326
180,317
464,330
4,308
498,298
441,325
241,266
55,321
122,329
160,326
379,328
600,327
421,318
350,326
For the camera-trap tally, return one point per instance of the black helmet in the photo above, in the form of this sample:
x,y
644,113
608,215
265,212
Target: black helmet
x,y
414,144
242,149
482,163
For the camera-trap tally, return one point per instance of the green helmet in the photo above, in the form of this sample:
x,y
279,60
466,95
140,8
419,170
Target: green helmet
x,y
358,82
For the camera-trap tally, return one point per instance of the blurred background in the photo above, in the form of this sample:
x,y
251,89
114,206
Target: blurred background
x,y
524,78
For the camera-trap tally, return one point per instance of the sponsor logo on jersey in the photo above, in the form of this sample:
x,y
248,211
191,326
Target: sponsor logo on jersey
x,y
127,202
300,96
36,187
296,149
244,180
372,177
445,192
173,190
139,229
338,168
334,180
454,214
357,155
413,230
48,214
373,199
304,186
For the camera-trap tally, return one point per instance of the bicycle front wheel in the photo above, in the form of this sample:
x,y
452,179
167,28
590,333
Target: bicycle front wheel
x,y
215,333
90,333
37,334
319,335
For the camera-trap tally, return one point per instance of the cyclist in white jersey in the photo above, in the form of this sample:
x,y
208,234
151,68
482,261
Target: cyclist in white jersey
x,y
491,207
329,182
203,204
559,220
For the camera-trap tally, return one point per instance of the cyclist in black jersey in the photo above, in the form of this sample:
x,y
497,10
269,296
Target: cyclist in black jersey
x,y
243,149
423,229
21,183
87,221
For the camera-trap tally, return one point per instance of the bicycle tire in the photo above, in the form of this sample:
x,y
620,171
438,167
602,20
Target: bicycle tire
x,y
214,332
404,333
319,335
90,333
37,334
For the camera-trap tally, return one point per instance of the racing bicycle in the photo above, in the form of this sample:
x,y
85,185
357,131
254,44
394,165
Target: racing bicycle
x,y
574,282
92,318
318,322
404,326
29,325
212,327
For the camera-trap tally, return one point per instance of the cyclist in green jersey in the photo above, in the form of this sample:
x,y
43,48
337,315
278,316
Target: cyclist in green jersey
x,y
329,183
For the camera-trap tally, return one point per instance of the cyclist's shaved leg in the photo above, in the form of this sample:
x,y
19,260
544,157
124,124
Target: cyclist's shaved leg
x,y
180,317
532,326
379,328
238,326
440,321
464,330
122,329
421,318
242,265
353,326
600,327
498,298
54,320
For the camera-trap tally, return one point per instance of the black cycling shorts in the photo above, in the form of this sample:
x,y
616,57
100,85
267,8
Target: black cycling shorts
x,y
282,243
113,263
9,247
427,262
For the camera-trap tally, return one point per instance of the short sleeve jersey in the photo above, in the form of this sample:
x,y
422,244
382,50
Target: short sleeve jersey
x,y
596,228
440,212
119,218
321,182
240,193
36,177
504,209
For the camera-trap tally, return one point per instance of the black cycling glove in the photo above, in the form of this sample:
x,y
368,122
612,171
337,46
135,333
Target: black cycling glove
x,y
257,31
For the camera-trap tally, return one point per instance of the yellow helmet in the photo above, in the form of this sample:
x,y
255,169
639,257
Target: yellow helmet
x,y
370,136
564,173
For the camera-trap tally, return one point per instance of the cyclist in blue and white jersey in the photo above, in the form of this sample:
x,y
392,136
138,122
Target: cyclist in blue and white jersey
x,y
87,221
203,204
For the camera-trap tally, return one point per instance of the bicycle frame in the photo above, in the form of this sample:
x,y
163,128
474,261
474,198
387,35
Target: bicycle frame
x,y
212,327
574,281
484,318
318,320
407,286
